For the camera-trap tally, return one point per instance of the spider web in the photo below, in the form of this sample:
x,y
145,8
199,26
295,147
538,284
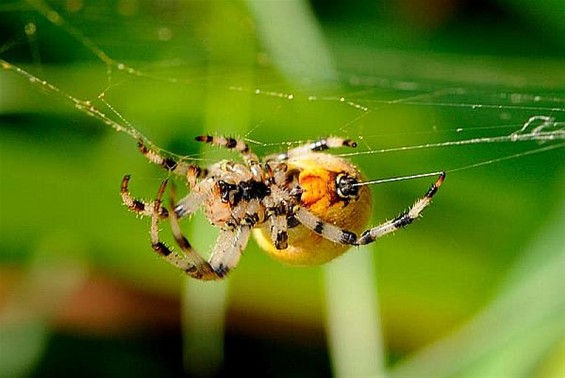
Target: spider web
x,y
166,72
484,115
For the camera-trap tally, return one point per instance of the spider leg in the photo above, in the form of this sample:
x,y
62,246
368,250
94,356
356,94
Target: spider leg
x,y
238,145
224,257
190,203
338,235
279,233
405,218
278,221
228,249
191,263
229,143
320,145
278,226
190,171
327,230
137,206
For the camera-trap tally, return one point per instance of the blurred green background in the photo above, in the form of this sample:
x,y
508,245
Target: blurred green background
x,y
475,289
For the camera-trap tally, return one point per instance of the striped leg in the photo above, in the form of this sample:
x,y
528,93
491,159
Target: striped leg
x,y
158,246
278,224
238,145
190,171
142,208
224,257
320,145
190,262
327,230
403,219
338,235
228,249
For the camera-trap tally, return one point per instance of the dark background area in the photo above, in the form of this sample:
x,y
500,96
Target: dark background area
x,y
81,291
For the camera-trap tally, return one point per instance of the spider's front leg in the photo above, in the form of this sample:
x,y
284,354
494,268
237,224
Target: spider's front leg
x,y
338,235
189,171
223,258
225,255
139,207
157,212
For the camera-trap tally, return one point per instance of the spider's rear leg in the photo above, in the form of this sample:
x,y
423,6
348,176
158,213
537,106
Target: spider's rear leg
x,y
338,235
327,230
405,218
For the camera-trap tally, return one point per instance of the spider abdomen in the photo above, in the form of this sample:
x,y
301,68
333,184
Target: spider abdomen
x,y
317,174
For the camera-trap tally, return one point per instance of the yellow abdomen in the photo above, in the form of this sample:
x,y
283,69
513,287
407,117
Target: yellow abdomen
x,y
317,179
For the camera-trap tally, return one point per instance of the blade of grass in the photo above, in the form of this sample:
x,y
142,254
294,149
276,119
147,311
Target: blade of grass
x,y
204,304
353,319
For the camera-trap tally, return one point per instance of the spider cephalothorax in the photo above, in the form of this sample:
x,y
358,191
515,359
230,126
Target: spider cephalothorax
x,y
304,206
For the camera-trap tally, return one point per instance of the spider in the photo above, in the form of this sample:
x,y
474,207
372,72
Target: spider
x,y
304,206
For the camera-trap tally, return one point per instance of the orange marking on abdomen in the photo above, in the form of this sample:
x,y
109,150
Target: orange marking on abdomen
x,y
319,190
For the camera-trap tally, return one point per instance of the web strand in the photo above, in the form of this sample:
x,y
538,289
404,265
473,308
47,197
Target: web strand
x,y
541,127
537,128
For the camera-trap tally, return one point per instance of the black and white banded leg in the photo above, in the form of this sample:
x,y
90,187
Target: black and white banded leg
x,y
191,172
139,207
317,146
225,255
238,145
278,223
338,235
190,266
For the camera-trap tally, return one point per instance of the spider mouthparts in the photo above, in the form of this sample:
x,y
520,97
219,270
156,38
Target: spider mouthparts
x,y
347,186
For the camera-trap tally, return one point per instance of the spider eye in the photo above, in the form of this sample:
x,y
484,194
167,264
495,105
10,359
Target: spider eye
x,y
346,186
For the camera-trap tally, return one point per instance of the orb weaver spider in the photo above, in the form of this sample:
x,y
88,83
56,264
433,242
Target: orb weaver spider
x,y
304,206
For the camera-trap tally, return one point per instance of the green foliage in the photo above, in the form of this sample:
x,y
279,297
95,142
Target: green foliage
x,y
475,288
